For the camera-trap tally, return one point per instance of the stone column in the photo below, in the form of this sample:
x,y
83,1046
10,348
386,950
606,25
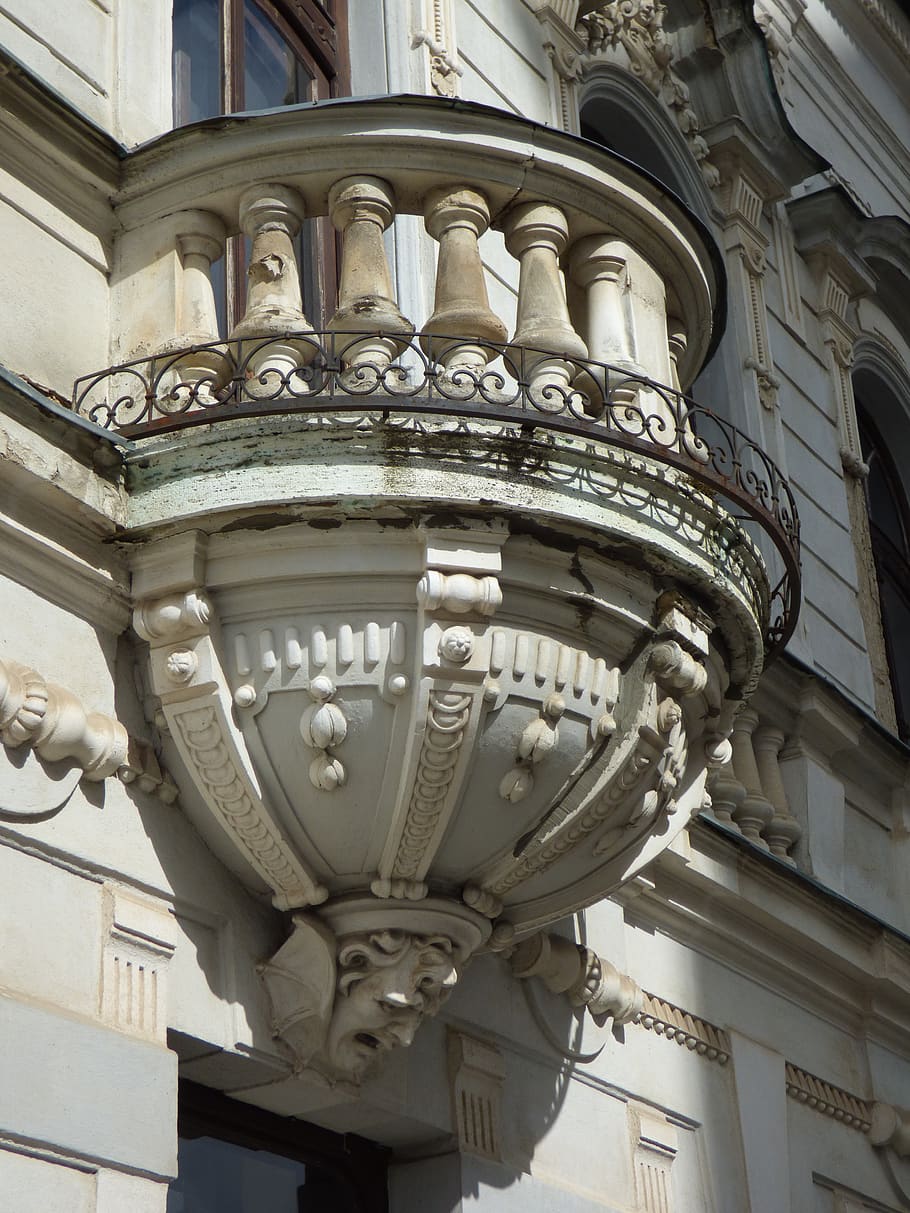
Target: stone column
x,y
783,830
457,218
184,380
536,234
362,208
755,810
270,215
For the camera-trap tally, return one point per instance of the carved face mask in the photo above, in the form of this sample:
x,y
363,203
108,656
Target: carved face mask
x,y
389,981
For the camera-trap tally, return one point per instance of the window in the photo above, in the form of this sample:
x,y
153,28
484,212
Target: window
x,y
231,56
889,532
236,55
235,1158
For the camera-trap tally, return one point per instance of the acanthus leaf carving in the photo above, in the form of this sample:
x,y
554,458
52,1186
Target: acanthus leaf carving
x,y
636,28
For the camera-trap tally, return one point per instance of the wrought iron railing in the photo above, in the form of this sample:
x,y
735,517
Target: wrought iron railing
x,y
331,377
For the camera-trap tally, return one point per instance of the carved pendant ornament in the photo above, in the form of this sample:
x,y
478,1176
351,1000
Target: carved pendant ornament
x,y
425,775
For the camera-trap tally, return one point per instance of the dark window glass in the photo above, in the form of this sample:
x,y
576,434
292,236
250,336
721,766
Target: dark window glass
x,y
886,502
232,56
198,84
273,74
235,1158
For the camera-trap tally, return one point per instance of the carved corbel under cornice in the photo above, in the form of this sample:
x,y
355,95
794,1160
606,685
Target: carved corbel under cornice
x,y
586,979
40,716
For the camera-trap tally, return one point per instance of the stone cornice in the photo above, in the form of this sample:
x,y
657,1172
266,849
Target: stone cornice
x,y
56,149
780,929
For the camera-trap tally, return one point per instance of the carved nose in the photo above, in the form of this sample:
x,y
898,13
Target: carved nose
x,y
402,1001
404,1030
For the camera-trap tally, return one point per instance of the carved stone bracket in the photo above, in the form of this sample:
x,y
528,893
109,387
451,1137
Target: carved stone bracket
x,y
189,682
586,979
437,34
42,716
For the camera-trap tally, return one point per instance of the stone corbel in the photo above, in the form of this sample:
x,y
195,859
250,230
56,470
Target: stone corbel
x,y
52,721
41,717
476,1073
889,1128
586,979
564,49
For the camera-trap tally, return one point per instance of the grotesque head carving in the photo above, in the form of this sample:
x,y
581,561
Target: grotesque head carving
x,y
341,1006
388,982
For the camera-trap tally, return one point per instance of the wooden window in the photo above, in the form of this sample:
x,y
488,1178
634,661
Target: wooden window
x,y
234,56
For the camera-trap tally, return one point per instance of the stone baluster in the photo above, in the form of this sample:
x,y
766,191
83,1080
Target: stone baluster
x,y
270,215
457,218
185,379
536,234
626,326
362,208
783,831
727,794
755,810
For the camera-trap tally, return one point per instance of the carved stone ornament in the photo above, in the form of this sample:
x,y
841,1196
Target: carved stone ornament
x,y
634,30
341,1003
43,719
417,776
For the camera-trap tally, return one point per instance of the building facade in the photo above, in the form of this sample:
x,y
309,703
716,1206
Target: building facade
x,y
455,681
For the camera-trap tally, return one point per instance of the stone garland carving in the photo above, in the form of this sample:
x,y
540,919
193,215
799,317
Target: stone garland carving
x,y
202,733
823,1097
637,27
340,1005
537,741
447,720
673,1023
322,725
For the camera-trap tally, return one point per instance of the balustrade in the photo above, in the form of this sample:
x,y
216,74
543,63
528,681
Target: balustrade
x,y
613,308
621,308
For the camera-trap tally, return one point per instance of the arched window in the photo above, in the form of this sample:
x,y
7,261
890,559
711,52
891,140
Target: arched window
x,y
236,55
620,114
889,531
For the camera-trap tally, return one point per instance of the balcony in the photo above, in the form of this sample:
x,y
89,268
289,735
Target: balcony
x,y
445,624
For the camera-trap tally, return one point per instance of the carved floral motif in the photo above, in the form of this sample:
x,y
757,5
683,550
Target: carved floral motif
x,y
637,27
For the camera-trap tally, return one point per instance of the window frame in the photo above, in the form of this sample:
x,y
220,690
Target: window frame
x,y
317,33
360,1165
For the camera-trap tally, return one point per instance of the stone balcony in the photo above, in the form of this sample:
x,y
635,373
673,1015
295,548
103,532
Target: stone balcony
x,y
446,624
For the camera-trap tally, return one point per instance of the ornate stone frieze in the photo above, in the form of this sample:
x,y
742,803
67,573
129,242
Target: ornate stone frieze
x,y
673,1023
832,1101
